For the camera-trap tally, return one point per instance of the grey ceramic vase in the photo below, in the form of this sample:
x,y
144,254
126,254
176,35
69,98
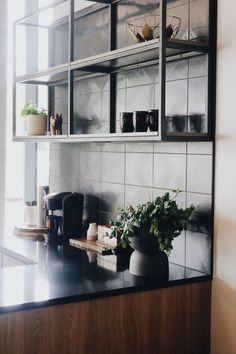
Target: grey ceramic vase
x,y
147,260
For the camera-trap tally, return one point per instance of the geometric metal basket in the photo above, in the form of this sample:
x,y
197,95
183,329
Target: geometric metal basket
x,y
147,27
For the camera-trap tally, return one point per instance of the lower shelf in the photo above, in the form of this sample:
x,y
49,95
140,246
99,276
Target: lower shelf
x,y
82,138
116,137
186,134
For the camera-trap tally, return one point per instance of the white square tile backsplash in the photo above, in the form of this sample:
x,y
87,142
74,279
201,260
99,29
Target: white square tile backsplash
x,y
169,171
116,174
139,169
199,173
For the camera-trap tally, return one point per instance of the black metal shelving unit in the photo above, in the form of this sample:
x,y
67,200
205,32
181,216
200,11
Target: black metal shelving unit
x,y
159,52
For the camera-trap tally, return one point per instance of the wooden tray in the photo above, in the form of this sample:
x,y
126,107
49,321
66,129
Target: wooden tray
x,y
30,231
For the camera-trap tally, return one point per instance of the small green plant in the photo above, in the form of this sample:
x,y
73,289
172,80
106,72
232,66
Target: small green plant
x,y
161,218
30,108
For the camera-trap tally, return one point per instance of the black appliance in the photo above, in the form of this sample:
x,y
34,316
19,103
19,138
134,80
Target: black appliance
x,y
64,216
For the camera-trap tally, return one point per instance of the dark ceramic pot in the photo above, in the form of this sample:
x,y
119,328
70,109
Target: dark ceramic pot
x,y
147,260
145,243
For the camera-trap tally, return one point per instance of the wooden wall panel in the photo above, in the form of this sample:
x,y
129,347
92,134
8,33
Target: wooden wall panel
x,y
166,321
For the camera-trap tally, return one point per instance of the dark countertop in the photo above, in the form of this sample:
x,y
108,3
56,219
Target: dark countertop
x,y
64,274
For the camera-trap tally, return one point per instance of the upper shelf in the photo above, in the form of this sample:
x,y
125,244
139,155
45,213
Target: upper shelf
x,y
137,54
42,17
116,60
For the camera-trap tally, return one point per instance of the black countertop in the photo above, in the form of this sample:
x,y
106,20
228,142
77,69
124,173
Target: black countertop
x,y
64,274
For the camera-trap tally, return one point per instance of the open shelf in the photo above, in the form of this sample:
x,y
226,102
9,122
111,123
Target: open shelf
x,y
30,18
41,138
189,136
89,40
146,136
45,77
112,137
186,45
136,55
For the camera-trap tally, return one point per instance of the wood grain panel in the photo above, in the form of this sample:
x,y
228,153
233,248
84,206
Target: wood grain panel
x,y
166,321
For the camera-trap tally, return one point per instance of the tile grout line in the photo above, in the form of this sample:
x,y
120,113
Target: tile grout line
x,y
144,186
186,201
125,153
153,164
188,123
99,180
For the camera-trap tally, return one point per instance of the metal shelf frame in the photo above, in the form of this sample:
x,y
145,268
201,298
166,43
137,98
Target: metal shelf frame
x,y
157,51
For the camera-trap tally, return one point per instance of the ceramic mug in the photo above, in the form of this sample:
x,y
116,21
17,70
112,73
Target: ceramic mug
x,y
153,120
140,121
126,122
179,123
196,123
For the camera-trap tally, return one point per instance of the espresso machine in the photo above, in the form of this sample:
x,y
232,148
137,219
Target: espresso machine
x,y
64,213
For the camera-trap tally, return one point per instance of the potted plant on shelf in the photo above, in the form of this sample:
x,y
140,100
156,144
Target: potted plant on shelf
x,y
150,229
36,120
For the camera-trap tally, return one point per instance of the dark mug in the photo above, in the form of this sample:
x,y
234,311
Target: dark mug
x,y
140,121
196,123
179,123
153,120
126,122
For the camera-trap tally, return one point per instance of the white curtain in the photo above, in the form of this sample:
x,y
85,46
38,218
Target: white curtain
x,y
3,100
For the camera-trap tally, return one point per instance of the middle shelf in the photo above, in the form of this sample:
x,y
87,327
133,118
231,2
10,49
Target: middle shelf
x,y
118,60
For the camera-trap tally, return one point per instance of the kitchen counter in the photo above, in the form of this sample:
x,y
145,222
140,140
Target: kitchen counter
x,y
64,274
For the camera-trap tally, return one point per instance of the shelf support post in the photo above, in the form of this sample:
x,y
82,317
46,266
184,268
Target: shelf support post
x,y
112,46
162,69
70,73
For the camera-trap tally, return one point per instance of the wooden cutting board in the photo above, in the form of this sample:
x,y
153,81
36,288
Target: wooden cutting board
x,y
93,246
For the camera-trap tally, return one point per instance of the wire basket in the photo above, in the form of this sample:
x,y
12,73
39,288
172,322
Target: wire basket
x,y
147,27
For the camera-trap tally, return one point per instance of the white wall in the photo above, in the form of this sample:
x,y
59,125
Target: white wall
x,y
3,52
224,283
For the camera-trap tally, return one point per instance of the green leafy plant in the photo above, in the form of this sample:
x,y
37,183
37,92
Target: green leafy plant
x,y
30,108
161,219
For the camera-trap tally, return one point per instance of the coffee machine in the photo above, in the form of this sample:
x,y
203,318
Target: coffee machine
x,y
64,216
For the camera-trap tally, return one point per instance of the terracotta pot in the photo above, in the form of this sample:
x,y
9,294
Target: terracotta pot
x,y
36,124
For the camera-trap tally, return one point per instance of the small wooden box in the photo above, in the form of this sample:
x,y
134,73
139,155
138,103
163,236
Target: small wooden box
x,y
104,232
